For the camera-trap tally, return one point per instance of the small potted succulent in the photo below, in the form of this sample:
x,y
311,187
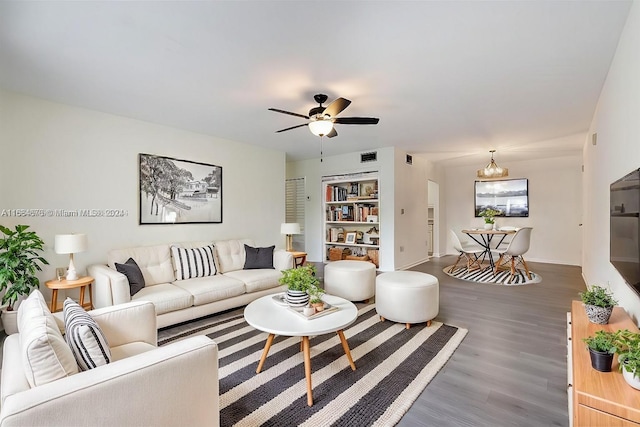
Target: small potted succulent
x,y
298,282
315,294
602,347
489,217
598,304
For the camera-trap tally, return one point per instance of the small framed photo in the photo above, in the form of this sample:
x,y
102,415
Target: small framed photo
x,y
350,237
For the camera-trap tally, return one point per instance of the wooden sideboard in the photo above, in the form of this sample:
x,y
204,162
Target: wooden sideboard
x,y
598,398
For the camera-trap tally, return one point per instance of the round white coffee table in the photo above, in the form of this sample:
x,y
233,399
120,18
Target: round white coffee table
x,y
266,315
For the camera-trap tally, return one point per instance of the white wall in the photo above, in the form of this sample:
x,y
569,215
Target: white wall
x,y
555,206
617,124
60,157
411,203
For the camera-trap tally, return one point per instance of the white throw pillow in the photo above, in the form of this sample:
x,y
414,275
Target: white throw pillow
x,y
84,336
193,262
46,357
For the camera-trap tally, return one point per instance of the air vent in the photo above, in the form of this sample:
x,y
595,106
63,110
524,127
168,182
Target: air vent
x,y
369,157
409,159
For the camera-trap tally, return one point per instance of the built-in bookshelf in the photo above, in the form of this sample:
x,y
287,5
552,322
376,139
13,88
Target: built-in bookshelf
x,y
352,217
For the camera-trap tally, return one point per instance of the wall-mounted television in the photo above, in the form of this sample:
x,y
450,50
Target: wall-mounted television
x,y
624,241
509,196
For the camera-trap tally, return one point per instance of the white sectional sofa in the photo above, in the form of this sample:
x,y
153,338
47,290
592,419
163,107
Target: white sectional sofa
x,y
177,300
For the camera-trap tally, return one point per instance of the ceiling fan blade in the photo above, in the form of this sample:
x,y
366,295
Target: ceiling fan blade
x,y
336,107
292,127
356,120
289,113
332,133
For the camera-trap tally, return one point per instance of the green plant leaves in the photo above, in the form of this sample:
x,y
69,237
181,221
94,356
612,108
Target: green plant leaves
x,y
19,262
598,296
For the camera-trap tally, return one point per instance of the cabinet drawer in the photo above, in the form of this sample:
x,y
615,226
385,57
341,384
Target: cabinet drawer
x,y
589,417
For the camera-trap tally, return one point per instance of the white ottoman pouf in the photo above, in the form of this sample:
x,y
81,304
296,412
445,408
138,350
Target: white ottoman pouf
x,y
407,297
351,280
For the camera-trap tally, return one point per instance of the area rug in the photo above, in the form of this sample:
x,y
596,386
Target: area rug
x,y
486,276
393,364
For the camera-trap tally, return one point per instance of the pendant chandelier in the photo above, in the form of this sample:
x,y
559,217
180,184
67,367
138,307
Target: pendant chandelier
x,y
492,170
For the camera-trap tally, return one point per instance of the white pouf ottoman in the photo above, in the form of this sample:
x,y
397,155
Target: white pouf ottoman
x,y
351,280
407,297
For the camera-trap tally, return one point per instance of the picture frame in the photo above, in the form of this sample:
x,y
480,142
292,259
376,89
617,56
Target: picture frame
x,y
350,237
177,191
509,196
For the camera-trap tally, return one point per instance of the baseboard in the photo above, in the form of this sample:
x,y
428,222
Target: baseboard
x,y
408,266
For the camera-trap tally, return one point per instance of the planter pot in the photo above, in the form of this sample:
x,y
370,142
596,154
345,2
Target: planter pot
x,y
601,360
10,321
631,379
488,226
599,315
297,298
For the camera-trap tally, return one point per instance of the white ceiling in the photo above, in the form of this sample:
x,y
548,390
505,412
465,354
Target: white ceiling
x,y
448,79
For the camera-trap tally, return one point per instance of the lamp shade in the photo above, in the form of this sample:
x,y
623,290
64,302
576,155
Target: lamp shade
x,y
320,127
70,243
290,228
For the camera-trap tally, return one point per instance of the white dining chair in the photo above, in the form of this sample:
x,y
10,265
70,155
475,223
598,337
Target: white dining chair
x,y
513,253
503,242
470,251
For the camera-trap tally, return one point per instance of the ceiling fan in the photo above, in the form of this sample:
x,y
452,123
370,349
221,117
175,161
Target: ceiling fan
x,y
321,119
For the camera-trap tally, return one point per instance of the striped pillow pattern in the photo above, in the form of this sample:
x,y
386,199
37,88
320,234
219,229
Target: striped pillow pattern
x,y
84,336
193,262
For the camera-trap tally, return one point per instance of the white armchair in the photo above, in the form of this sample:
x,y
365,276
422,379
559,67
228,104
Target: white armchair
x,y
144,385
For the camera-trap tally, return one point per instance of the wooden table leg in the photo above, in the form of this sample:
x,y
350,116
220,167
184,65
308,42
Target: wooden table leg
x,y
90,297
345,346
267,346
54,298
307,369
82,288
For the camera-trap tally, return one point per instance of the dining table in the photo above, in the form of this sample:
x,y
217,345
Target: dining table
x,y
485,238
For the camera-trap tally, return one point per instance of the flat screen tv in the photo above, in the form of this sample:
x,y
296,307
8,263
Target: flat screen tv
x,y
509,196
624,249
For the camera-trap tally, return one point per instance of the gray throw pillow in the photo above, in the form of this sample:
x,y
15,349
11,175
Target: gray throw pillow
x,y
258,257
134,275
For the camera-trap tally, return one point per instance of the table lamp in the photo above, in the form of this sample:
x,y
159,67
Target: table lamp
x,y
290,228
70,244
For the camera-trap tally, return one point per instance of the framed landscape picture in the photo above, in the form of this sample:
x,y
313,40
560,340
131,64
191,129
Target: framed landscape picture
x,y
174,191
509,196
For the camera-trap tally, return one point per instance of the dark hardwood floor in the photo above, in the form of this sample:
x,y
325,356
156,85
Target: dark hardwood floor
x,y
511,368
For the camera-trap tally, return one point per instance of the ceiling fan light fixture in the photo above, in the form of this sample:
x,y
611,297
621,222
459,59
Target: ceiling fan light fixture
x,y
320,127
492,170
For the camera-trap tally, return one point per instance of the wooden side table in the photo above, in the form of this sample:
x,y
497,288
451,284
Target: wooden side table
x,y
81,283
299,258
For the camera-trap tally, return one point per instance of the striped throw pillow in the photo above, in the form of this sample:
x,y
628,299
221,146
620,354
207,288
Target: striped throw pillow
x,y
194,262
84,336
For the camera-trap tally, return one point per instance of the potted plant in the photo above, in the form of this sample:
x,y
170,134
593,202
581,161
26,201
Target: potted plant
x,y
629,357
489,217
315,294
19,261
598,304
602,346
298,282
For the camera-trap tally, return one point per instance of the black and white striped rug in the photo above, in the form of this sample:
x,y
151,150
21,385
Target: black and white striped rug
x,y
486,276
393,366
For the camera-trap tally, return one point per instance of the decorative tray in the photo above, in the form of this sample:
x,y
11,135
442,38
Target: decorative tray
x,y
327,310
279,299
